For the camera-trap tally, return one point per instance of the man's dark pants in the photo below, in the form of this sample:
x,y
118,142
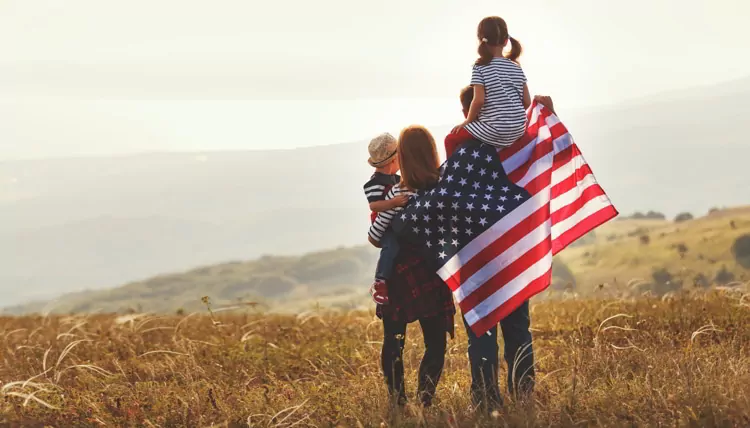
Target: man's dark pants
x,y
519,355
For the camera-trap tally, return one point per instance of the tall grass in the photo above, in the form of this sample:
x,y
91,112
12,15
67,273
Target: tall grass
x,y
677,361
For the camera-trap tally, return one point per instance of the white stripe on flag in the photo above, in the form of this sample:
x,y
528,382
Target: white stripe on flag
x,y
507,291
534,116
492,234
551,120
573,194
545,162
565,171
589,208
510,255
521,157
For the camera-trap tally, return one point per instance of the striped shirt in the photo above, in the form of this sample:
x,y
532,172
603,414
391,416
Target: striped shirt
x,y
383,220
375,188
502,119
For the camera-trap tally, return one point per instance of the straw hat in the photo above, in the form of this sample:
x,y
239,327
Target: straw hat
x,y
382,150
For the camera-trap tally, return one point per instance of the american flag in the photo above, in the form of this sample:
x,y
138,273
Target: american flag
x,y
496,217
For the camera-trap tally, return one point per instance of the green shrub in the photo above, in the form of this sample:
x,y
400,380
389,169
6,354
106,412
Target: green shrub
x,y
723,276
651,215
701,281
664,281
683,217
741,250
562,276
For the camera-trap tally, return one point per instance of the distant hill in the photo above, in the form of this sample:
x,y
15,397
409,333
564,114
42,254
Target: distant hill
x,y
615,258
339,278
74,224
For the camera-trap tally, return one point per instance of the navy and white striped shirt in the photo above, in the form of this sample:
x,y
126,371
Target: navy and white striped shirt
x,y
376,187
383,220
502,119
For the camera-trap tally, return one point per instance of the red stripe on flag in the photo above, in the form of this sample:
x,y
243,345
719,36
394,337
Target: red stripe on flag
x,y
564,156
539,183
583,227
562,213
544,179
513,235
565,185
543,148
497,281
557,130
490,320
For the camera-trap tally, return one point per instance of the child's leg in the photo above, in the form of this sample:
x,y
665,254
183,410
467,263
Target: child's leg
x,y
388,252
454,141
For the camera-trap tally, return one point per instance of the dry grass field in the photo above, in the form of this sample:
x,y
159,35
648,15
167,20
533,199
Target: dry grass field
x,y
680,360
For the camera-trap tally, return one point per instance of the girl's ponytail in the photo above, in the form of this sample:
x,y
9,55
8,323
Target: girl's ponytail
x,y
515,50
485,53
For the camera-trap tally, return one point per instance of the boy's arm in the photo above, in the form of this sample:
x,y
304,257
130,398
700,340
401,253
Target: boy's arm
x,y
383,220
387,204
379,206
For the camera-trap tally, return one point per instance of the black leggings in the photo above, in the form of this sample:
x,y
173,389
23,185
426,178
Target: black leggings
x,y
394,336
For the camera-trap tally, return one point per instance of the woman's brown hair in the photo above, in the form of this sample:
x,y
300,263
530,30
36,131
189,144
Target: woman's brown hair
x,y
420,165
493,31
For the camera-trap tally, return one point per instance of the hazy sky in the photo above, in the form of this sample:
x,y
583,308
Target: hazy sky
x,y
81,77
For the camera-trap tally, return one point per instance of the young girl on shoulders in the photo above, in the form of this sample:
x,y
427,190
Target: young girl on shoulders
x,y
497,115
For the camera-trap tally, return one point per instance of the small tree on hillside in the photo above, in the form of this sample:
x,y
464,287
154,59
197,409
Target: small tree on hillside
x,y
682,249
664,281
562,276
683,217
724,276
655,215
701,281
741,250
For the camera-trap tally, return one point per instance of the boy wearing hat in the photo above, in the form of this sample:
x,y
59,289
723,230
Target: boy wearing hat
x,y
384,158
